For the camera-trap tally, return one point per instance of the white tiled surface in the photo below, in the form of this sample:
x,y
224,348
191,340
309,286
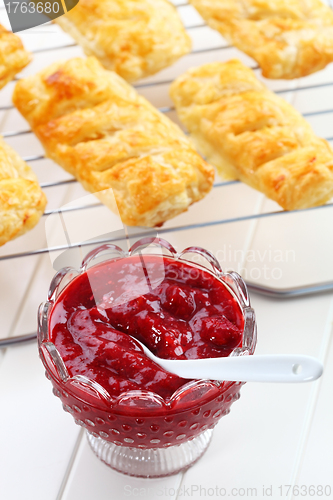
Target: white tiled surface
x,y
275,435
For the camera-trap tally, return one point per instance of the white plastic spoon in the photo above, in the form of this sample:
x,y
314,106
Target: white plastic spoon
x,y
258,368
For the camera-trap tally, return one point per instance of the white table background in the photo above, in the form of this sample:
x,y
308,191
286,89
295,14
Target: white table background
x,y
276,435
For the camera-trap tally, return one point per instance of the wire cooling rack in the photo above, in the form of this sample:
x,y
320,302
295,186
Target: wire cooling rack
x,y
207,46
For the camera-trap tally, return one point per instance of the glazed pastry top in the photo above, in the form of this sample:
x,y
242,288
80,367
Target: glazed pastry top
x,y
134,38
98,128
22,201
252,134
13,56
288,38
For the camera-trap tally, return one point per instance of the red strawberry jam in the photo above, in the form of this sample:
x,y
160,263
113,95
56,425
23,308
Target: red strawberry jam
x,y
177,310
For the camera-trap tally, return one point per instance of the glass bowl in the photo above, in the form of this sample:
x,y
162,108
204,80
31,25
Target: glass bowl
x,y
138,432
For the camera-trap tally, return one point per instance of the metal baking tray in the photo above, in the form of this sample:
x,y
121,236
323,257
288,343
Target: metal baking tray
x,y
49,43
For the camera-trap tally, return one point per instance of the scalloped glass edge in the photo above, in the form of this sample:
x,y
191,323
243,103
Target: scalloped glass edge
x,y
80,385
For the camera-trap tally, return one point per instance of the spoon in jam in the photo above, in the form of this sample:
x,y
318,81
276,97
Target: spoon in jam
x,y
258,368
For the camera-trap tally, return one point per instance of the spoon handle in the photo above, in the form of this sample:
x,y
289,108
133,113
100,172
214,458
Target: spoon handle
x,y
257,368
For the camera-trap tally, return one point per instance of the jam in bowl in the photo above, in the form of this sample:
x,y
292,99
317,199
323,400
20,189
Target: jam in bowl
x,y
140,419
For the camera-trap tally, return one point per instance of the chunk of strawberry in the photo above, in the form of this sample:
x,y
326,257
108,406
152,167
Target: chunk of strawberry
x,y
220,332
178,301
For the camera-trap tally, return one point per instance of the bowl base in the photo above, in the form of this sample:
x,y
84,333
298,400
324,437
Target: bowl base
x,y
152,462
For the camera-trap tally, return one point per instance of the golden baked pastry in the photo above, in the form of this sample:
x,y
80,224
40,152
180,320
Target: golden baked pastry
x,y
13,56
99,129
134,38
22,201
288,38
251,134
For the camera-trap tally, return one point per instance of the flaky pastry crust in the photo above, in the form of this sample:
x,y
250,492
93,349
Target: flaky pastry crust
x,y
13,56
134,38
251,134
22,201
99,129
288,38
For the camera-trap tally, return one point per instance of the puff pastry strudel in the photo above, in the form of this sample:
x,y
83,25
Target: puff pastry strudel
x,y
251,134
288,38
97,127
134,38
13,56
22,201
